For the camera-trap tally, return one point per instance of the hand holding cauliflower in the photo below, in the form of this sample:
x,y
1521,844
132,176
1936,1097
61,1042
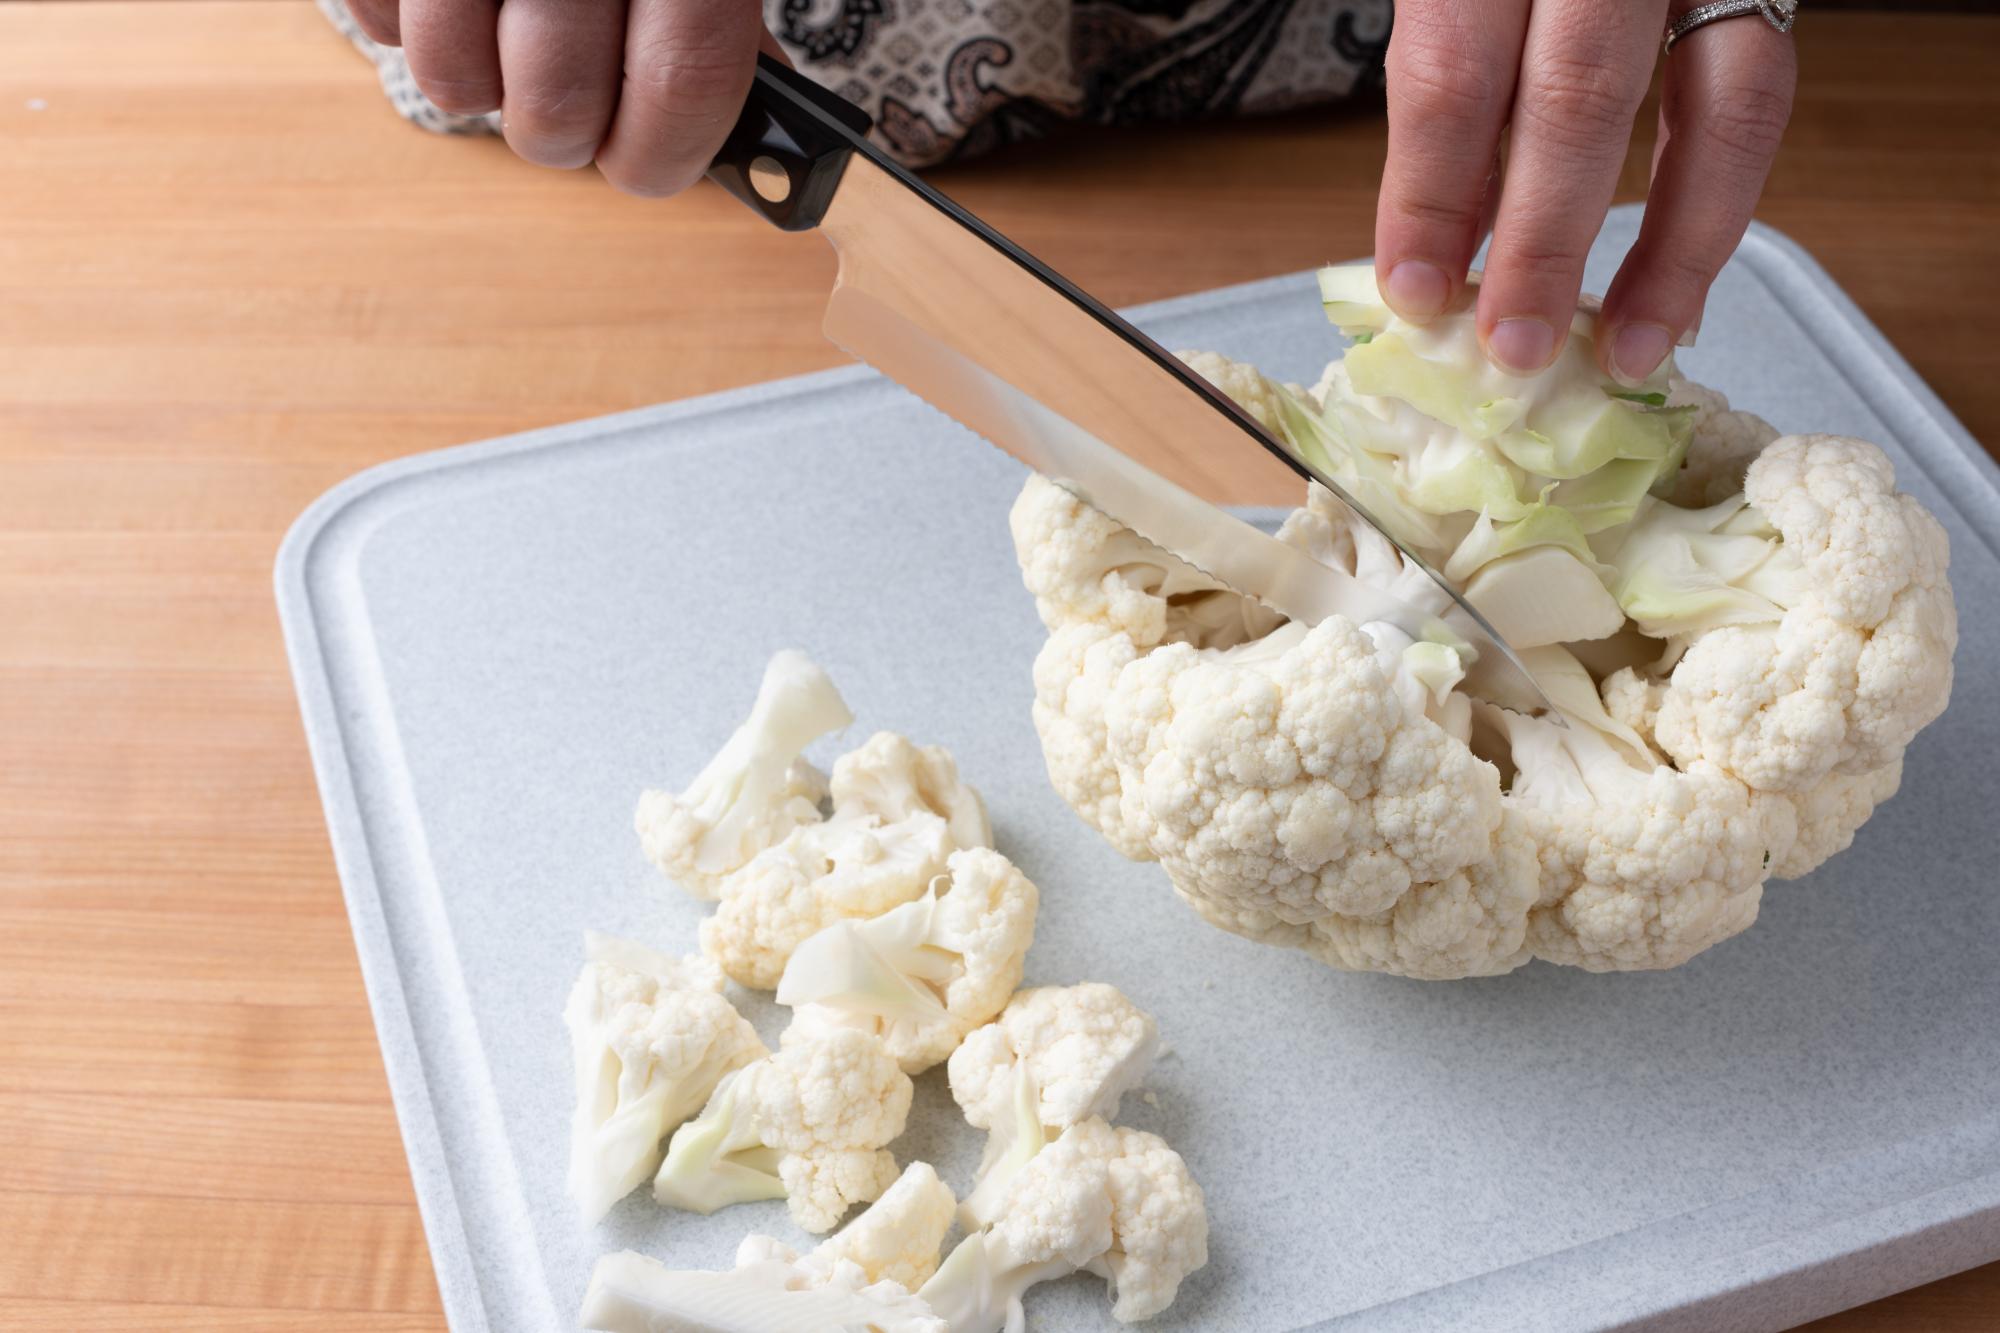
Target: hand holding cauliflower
x,y
1744,632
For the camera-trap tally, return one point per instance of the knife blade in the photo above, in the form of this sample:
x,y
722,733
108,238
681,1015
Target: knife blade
x,y
953,311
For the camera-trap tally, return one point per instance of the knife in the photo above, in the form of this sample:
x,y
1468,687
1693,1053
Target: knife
x,y
965,319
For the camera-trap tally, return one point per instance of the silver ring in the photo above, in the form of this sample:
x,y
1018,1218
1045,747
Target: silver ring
x,y
1780,14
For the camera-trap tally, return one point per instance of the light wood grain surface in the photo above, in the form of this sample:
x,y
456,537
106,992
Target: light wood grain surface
x,y
230,278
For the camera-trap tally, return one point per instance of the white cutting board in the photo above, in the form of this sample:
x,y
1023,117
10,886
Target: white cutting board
x,y
498,646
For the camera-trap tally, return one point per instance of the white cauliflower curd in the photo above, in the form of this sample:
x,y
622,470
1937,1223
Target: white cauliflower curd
x,y
1742,632
807,1125
749,833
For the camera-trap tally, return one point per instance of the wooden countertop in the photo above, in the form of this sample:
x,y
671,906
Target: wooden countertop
x,y
229,277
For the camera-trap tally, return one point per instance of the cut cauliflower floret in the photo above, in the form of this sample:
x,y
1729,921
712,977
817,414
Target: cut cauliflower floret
x,y
849,866
651,1036
899,810
895,1239
1740,665
860,1278
806,1125
922,975
1119,1203
1057,1056
765,1293
892,779
755,791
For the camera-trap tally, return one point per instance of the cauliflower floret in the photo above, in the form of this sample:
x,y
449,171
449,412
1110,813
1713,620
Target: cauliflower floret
x,y
924,974
860,1278
895,1240
1829,814
1284,784
1057,1056
1301,788
1633,698
1082,1047
1076,673
1083,567
1115,1202
1723,446
1643,866
899,810
1858,665
849,866
651,1036
756,790
806,1125
893,779
1245,387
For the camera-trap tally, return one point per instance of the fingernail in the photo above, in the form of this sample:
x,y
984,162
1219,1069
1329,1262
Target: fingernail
x,y
1637,350
1521,346
1416,290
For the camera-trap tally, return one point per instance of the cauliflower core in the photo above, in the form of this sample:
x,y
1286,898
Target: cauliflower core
x,y
1740,665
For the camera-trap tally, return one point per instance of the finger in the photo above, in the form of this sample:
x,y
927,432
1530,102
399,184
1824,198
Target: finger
x,y
454,52
688,66
1451,71
1584,72
378,19
1727,96
559,71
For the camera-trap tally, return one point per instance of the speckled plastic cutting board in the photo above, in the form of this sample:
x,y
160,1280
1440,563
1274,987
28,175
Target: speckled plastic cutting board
x,y
498,646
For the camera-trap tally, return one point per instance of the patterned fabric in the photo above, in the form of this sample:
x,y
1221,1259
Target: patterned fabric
x,y
949,78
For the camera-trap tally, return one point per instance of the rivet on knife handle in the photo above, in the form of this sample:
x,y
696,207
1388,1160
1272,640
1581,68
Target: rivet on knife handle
x,y
785,155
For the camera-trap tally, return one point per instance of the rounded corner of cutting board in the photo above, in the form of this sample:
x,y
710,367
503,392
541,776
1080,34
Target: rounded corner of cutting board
x,y
291,569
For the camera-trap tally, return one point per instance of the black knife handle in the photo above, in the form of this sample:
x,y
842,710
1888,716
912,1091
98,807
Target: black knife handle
x,y
792,140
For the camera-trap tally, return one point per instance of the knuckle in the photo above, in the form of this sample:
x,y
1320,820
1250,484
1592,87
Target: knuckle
x,y
688,85
1744,125
1679,271
563,112
1580,103
1430,82
1436,211
1542,258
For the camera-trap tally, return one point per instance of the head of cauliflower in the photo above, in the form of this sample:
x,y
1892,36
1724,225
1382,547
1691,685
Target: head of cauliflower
x,y
1742,632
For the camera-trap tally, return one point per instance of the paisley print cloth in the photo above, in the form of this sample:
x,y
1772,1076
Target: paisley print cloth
x,y
949,78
